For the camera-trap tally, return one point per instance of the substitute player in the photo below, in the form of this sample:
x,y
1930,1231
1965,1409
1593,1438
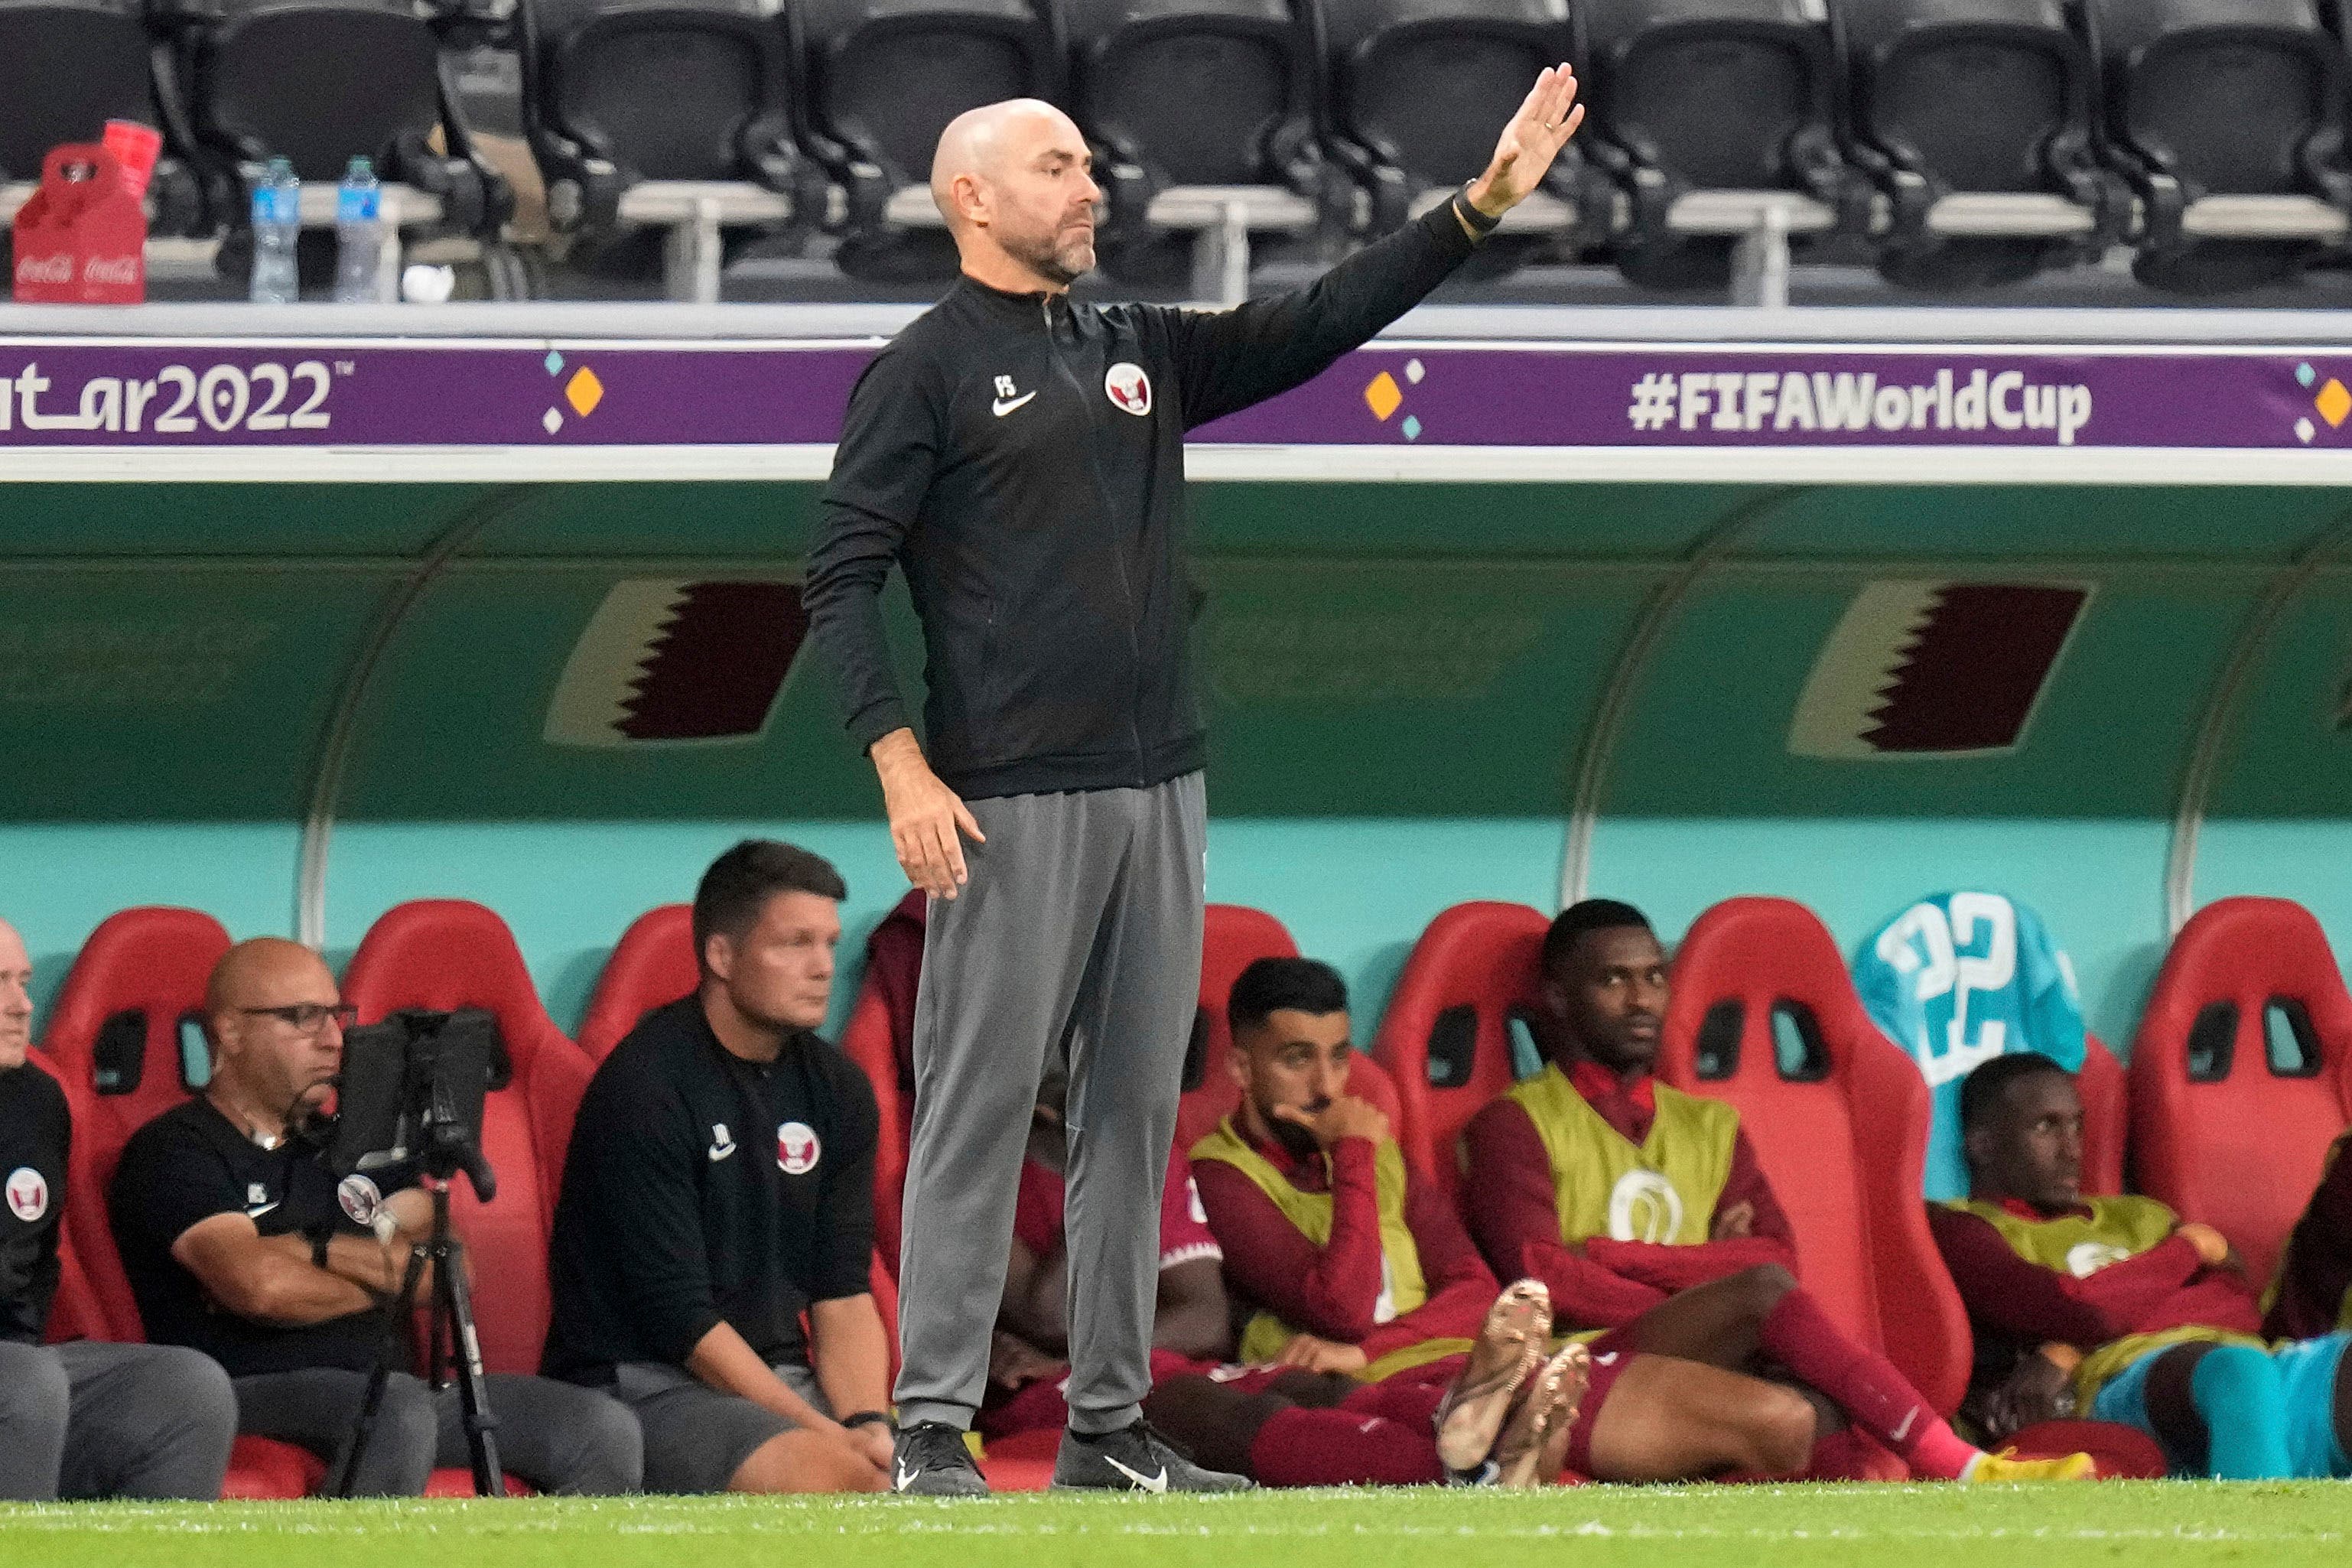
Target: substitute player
x,y
1323,1224
1022,458
1345,1261
1635,1200
1327,1429
2112,1306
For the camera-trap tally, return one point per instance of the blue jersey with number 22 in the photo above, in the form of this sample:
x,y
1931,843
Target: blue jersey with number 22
x,y
1957,979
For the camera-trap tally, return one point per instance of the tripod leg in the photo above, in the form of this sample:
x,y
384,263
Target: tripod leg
x,y
454,1303
371,1403
362,1431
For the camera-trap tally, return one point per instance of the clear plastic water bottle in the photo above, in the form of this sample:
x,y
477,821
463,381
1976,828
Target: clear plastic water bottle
x,y
359,234
277,225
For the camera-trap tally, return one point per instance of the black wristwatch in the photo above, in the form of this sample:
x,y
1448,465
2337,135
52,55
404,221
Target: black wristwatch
x,y
320,1236
1480,223
871,1418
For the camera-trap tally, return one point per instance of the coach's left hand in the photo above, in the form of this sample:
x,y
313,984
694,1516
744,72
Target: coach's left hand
x,y
1529,143
926,816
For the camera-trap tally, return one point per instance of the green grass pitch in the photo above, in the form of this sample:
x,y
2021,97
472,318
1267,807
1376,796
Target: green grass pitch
x,y
2142,1524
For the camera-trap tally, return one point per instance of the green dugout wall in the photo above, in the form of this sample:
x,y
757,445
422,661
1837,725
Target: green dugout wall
x,y
295,701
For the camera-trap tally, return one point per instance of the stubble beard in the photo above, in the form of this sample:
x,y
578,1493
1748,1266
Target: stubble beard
x,y
1060,261
1300,1142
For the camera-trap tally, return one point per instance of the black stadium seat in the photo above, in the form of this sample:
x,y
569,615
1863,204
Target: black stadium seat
x,y
1203,114
2229,116
319,82
884,77
1719,120
668,124
67,66
1420,88
1976,119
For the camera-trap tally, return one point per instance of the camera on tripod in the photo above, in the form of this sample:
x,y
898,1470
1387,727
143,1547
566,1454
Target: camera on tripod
x,y
409,1107
410,1100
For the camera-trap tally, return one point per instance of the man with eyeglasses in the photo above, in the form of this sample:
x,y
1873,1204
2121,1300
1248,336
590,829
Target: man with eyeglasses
x,y
80,1419
238,1243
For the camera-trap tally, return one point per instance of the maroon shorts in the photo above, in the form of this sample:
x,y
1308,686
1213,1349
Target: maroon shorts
x,y
1041,1407
1259,1379
1611,1354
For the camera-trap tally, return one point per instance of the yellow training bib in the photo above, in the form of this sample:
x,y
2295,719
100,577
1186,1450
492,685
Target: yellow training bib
x,y
2082,1244
1402,1287
1663,1190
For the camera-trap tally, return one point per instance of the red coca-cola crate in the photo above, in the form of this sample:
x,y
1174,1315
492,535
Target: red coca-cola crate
x,y
83,237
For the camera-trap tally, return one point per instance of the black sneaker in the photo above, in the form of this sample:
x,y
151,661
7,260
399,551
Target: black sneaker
x,y
1134,1459
931,1459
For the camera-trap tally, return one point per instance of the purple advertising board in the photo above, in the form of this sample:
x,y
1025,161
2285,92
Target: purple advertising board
x,y
64,393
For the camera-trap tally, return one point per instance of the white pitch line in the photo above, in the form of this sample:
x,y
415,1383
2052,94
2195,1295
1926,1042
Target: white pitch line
x,y
963,1524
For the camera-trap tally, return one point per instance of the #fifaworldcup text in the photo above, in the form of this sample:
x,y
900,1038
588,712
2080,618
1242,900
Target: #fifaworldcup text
x,y
1796,400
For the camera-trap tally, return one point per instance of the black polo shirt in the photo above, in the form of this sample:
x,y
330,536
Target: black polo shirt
x,y
35,1133
702,1188
191,1163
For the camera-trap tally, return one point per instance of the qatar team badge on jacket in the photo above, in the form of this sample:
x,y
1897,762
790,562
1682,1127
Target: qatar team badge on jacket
x,y
1128,387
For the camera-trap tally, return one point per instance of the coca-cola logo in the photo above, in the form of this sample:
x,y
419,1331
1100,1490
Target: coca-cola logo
x,y
110,269
58,268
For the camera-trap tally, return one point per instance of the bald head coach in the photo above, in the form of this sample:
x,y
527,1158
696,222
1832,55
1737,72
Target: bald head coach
x,y
1021,458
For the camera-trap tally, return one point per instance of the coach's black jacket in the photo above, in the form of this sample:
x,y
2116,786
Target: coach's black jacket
x,y
1023,459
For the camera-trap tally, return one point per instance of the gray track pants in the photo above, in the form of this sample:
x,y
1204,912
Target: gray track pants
x,y
90,1420
1079,932
557,1436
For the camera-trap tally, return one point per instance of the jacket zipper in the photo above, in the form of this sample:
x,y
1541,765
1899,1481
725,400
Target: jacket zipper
x,y
1119,551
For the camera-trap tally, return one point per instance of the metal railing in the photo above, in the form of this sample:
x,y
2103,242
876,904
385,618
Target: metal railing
x,y
695,211
1225,220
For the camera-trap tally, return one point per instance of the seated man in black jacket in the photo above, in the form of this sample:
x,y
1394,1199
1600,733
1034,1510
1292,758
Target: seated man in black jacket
x,y
84,1419
240,1244
720,1186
